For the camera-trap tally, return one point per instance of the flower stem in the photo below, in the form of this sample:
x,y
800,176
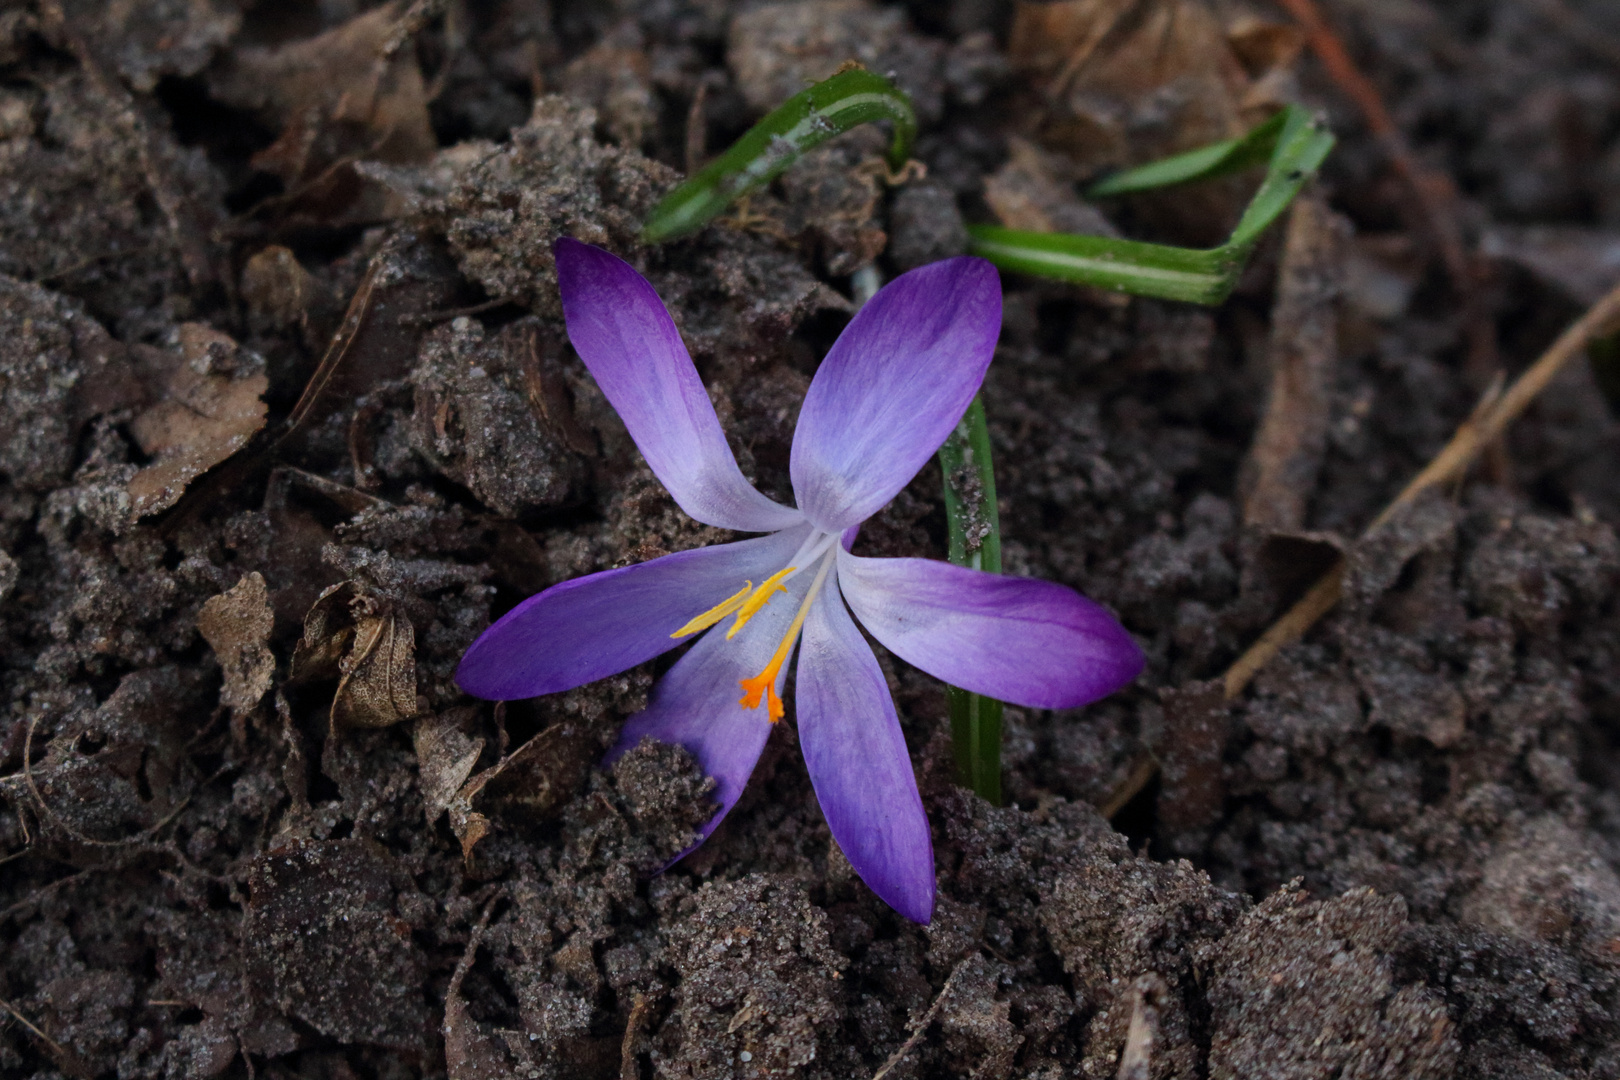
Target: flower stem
x,y
974,530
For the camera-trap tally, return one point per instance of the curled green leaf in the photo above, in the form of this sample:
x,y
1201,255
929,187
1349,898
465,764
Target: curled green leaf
x,y
806,120
1293,143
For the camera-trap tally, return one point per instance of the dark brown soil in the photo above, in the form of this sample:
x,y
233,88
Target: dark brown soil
x,y
287,415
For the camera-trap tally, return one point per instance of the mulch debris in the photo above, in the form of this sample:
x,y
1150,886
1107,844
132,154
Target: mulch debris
x,y
288,415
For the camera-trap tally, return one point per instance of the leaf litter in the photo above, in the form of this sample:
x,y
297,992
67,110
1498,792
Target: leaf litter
x,y
1408,819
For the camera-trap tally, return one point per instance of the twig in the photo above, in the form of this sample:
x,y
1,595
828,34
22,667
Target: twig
x,y
141,838
628,1068
336,351
40,893
1431,191
428,318
1475,435
1580,30
922,1024
158,167
1287,453
697,129
1479,431
1146,767
1285,631
65,1059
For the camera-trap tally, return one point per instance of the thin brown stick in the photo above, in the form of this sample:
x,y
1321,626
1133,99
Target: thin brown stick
x,y
49,815
40,893
1476,433
1432,192
1285,631
1335,57
1146,767
922,1024
1282,464
1581,31
697,130
65,1059
629,1068
336,350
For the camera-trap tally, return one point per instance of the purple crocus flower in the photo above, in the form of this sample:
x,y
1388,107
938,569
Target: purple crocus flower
x,y
890,390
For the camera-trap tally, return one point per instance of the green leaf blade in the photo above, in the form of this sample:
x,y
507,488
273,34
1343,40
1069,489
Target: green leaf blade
x,y
1293,143
973,528
800,124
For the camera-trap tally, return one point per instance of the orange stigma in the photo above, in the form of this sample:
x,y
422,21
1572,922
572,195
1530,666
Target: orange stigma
x,y
763,685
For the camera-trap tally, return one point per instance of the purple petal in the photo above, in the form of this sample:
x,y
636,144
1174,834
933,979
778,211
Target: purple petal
x,y
592,627
892,387
858,763
697,703
1016,639
622,331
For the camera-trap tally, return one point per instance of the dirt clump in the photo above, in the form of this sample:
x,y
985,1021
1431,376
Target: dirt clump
x,y
288,416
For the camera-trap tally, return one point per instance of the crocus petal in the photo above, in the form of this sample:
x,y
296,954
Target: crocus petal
x,y
697,703
858,763
622,331
892,387
1029,642
591,627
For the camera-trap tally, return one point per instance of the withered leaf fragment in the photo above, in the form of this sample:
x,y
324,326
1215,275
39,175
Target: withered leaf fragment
x,y
353,92
212,406
237,625
445,757
364,640
531,782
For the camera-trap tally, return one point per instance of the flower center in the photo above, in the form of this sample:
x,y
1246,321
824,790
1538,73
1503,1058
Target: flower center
x,y
764,684
817,550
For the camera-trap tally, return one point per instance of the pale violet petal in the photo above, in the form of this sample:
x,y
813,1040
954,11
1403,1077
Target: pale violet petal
x,y
857,759
892,387
628,341
1015,639
590,627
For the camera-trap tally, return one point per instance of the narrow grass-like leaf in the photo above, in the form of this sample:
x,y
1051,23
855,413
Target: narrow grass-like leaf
x,y
974,531
1129,266
1204,163
1296,143
806,120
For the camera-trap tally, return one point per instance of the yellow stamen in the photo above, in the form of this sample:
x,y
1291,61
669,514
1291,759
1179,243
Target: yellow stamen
x,y
761,596
716,613
764,684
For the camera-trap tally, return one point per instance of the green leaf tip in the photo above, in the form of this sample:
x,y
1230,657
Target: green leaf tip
x,y
1293,144
852,97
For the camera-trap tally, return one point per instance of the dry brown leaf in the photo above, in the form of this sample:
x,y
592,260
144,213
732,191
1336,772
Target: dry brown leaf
x,y
237,625
212,406
1034,190
368,644
277,288
378,687
353,92
1104,65
532,782
477,1051
1121,82
445,757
